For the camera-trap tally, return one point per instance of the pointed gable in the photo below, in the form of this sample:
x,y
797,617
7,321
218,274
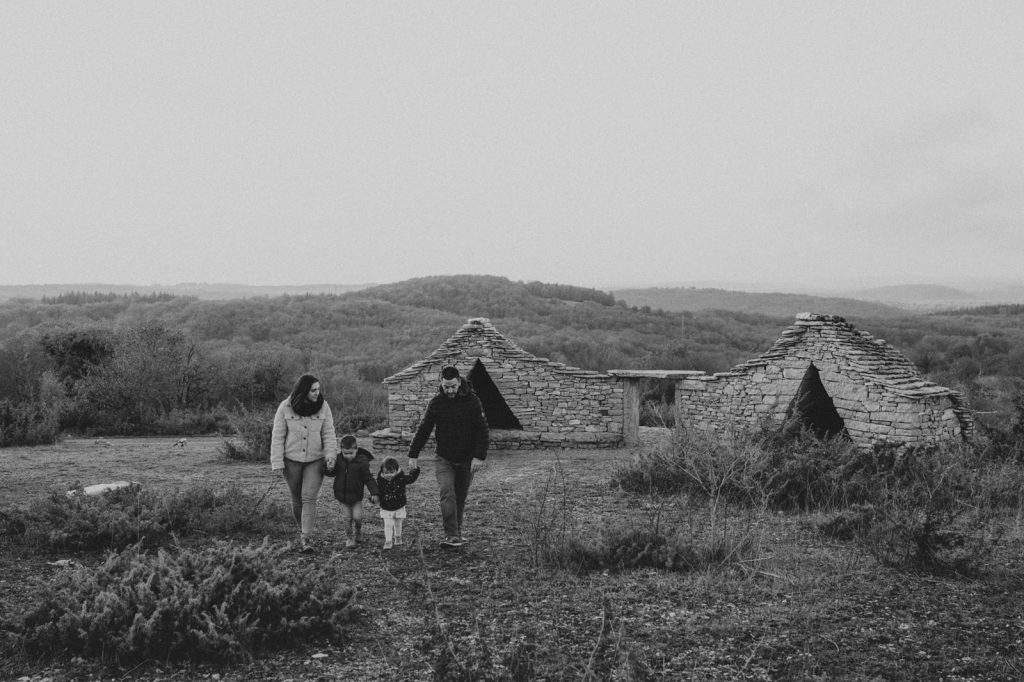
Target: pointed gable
x,y
877,393
529,402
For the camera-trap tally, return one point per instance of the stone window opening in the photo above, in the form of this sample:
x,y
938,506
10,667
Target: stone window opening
x,y
497,412
812,409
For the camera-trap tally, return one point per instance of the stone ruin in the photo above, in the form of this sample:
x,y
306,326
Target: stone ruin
x,y
825,376
529,402
821,375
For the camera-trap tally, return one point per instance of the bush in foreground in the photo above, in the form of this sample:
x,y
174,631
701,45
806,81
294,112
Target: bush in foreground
x,y
136,515
221,603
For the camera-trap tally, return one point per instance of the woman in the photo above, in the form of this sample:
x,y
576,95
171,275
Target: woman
x,y
303,436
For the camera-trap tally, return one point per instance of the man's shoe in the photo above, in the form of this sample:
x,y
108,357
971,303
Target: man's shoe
x,y
452,541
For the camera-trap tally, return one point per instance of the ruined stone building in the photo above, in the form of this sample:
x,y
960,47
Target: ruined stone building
x,y
821,375
529,402
825,376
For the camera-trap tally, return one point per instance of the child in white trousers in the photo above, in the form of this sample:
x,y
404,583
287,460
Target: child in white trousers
x,y
391,482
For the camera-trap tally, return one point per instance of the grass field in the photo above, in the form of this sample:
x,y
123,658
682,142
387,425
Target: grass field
x,y
798,606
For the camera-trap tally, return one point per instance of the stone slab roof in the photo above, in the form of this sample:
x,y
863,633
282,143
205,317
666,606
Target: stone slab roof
x,y
478,333
873,359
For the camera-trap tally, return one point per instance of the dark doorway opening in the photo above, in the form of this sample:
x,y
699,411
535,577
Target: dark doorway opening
x,y
496,410
812,409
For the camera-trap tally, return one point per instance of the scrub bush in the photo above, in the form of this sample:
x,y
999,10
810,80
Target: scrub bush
x,y
27,424
135,515
627,544
937,509
253,429
222,603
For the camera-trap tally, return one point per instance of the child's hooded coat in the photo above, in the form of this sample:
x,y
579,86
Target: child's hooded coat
x,y
351,476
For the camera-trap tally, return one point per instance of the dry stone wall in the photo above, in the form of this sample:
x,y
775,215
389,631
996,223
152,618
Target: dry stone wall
x,y
877,392
557,405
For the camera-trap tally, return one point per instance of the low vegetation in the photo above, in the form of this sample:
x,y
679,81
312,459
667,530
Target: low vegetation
x,y
942,508
911,570
739,557
225,602
136,516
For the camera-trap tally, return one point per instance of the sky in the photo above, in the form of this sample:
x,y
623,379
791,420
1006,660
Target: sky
x,y
601,144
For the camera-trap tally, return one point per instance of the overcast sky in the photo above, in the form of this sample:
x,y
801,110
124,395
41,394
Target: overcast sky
x,y
591,143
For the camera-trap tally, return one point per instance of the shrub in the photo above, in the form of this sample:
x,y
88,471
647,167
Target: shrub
x,y
658,470
132,515
936,509
658,414
223,602
361,406
253,429
699,466
625,544
27,424
191,421
782,473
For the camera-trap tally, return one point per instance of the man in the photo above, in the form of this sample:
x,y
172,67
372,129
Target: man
x,y
456,416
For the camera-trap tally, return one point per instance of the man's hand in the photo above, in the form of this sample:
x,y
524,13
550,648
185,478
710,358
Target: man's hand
x,y
413,463
475,465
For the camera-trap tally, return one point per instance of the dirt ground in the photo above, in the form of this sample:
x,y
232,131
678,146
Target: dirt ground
x,y
804,608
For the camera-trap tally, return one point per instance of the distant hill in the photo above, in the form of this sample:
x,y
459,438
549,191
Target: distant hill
x,y
921,296
680,299
212,292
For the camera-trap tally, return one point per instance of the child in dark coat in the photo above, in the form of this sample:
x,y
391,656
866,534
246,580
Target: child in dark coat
x,y
391,482
352,475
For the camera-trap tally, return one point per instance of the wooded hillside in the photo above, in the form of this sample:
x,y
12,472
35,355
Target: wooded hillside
x,y
105,362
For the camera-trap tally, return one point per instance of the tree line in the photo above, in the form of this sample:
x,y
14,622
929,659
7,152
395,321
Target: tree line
x,y
114,364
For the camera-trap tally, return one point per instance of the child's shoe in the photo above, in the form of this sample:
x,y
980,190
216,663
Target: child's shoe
x,y
350,543
398,540
388,544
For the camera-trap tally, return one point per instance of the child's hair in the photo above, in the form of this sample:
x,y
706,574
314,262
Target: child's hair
x,y
390,465
348,441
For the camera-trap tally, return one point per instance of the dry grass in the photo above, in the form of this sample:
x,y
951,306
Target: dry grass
x,y
801,608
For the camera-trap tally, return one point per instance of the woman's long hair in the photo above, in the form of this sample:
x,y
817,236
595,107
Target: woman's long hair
x,y
299,400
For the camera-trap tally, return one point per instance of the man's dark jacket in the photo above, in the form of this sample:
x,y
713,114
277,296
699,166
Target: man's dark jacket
x,y
459,426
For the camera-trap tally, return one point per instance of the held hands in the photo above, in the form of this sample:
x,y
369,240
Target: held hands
x,y
413,464
476,465
374,499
